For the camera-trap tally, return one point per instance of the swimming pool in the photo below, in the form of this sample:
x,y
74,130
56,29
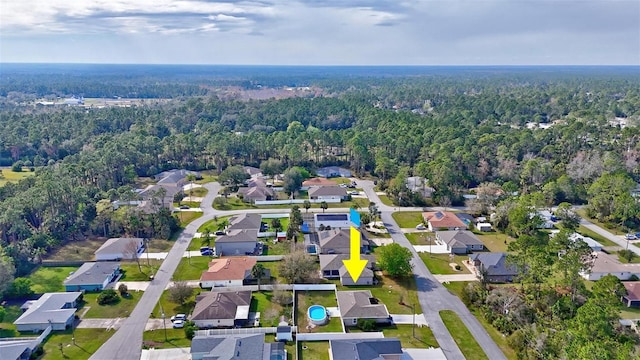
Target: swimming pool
x,y
317,314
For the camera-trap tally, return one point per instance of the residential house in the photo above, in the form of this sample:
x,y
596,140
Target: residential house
x,y
632,298
327,193
18,348
235,347
120,248
493,267
221,309
333,220
605,264
318,181
419,185
548,219
51,309
170,183
257,193
231,271
366,349
360,304
333,171
337,241
443,220
254,172
245,222
484,226
460,241
92,276
237,242
594,245
332,267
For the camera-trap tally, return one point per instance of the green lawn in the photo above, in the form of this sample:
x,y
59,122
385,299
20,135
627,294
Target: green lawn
x,y
207,177
279,248
175,338
185,217
131,272
212,225
385,200
371,235
50,279
595,236
191,269
612,228
397,294
283,221
10,176
634,260
467,344
439,263
424,336
629,312
307,298
87,342
170,308
275,272
456,288
408,219
80,250
7,329
121,309
233,203
197,243
313,350
421,238
270,311
494,241
197,192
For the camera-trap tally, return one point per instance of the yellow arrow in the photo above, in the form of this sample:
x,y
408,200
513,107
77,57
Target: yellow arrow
x,y
355,265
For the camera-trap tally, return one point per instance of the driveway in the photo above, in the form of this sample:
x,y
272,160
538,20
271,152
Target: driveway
x,y
456,277
409,319
618,239
109,324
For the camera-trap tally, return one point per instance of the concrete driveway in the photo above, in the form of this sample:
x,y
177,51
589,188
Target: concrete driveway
x,y
166,354
408,319
456,277
109,324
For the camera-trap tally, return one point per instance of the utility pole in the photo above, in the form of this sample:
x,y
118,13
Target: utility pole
x,y
164,323
413,326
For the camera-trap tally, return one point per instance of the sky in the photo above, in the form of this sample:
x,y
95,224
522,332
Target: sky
x,y
322,32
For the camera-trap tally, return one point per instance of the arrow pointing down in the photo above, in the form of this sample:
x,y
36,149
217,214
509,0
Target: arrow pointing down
x,y
355,265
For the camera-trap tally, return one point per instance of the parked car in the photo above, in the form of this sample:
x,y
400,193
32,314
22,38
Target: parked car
x,y
354,193
206,251
218,233
183,207
638,235
421,227
630,237
178,317
178,324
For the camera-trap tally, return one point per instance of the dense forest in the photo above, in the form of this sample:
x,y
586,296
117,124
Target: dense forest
x,y
559,135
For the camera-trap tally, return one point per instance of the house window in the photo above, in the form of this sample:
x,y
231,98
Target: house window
x,y
355,321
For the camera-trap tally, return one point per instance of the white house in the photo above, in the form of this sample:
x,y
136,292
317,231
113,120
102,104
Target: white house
x,y
120,248
51,309
327,193
605,264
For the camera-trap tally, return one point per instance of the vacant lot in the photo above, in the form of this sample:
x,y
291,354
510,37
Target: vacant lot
x,y
408,219
175,338
494,241
439,263
191,269
131,271
82,250
185,217
467,344
120,309
60,346
50,279
421,238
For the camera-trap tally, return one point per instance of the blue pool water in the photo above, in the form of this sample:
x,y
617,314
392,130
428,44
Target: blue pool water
x,y
317,313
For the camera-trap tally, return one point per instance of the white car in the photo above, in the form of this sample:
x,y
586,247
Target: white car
x,y
178,324
421,227
178,317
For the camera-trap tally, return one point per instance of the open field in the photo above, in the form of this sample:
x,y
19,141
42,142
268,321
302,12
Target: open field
x,y
408,219
50,279
59,344
439,263
121,309
467,344
10,176
82,250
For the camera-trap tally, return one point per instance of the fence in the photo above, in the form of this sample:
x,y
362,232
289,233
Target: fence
x,y
52,263
275,216
338,336
302,287
296,201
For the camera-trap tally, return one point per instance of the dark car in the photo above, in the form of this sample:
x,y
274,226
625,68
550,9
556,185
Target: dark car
x,y
219,233
183,207
206,250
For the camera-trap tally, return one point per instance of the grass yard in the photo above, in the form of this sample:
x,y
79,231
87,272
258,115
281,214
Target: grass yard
x,y
275,272
159,245
612,228
629,312
232,203
279,248
197,243
421,238
424,336
185,217
49,279
170,308
304,299
385,200
121,309
197,192
494,241
467,344
60,346
7,329
212,225
313,350
456,288
408,219
191,269
595,236
634,260
397,294
131,272
176,338
207,177
439,263
283,221
371,235
270,311
10,176
82,250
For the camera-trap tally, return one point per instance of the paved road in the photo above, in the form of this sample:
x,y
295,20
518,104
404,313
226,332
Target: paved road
x,y
618,239
432,295
126,343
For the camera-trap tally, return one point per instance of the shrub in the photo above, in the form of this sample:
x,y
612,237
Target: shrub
x,y
107,297
366,324
123,289
458,267
17,166
190,329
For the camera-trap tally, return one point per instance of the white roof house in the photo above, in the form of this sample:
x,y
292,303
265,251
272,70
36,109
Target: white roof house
x,y
120,248
51,309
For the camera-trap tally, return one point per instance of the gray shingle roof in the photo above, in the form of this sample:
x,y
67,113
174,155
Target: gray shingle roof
x,y
234,236
327,191
220,305
334,261
360,304
227,347
49,306
92,273
459,238
337,238
495,264
117,245
245,222
364,349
